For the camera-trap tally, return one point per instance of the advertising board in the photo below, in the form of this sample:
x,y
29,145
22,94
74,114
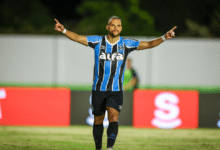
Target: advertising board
x,y
35,106
209,110
165,109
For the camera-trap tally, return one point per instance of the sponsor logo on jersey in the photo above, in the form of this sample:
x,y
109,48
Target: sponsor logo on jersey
x,y
111,57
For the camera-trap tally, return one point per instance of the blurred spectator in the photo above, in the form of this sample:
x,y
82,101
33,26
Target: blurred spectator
x,y
130,77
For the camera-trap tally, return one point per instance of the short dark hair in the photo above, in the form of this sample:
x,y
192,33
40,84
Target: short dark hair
x,y
113,17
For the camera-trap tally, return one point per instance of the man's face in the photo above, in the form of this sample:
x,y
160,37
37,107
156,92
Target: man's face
x,y
114,27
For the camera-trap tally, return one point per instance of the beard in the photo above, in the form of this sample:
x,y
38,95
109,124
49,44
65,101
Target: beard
x,y
114,35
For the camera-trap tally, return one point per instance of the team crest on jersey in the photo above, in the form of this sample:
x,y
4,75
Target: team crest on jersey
x,y
111,57
120,48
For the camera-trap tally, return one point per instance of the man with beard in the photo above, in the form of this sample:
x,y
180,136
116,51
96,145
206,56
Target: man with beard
x,y
111,52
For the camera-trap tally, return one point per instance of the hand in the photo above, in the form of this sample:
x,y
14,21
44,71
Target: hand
x,y
170,33
58,27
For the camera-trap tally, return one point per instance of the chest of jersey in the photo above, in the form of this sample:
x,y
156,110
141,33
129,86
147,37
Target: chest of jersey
x,y
108,52
110,62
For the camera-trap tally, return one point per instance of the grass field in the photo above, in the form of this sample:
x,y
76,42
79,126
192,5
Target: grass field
x,y
80,138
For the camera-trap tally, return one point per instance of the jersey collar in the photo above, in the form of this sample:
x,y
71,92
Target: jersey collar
x,y
106,39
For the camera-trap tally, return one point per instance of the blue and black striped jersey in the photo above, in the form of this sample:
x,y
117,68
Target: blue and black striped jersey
x,y
110,61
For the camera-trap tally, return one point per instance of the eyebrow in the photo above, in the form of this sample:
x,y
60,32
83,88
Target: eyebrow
x,y
116,24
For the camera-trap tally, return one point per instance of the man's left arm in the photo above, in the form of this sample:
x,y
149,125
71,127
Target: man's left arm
x,y
150,44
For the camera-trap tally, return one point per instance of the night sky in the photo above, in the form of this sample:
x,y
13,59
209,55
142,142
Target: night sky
x,y
201,12
63,9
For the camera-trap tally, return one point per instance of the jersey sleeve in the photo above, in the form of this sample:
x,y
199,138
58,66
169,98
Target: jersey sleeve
x,y
131,44
93,40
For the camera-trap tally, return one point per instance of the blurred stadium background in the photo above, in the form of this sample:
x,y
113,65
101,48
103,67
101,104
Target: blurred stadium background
x,y
46,79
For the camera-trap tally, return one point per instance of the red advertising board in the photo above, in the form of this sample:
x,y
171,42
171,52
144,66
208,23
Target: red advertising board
x,y
35,106
165,109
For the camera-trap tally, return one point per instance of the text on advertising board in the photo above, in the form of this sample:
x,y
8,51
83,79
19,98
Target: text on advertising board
x,y
165,109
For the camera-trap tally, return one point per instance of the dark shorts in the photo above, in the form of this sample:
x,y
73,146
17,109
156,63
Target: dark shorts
x,y
102,99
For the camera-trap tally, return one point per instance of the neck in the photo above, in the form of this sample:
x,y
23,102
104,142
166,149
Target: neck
x,y
111,39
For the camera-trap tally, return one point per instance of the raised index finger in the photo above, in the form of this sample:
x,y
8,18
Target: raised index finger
x,y
174,28
56,21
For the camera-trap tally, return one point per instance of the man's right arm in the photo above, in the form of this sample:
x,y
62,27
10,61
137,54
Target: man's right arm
x,y
77,38
71,35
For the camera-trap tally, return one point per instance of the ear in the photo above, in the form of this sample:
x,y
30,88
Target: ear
x,y
107,27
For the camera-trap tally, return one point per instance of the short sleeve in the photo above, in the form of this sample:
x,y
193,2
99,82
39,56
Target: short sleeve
x,y
131,44
93,40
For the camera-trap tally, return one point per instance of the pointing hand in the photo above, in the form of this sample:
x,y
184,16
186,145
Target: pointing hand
x,y
170,33
58,27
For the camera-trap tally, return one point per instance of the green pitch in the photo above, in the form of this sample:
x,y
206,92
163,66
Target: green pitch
x,y
80,138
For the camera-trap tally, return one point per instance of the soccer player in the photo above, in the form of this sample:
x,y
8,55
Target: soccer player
x,y
110,52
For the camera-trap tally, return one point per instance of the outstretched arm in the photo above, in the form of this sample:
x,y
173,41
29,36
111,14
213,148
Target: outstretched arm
x,y
150,44
71,35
